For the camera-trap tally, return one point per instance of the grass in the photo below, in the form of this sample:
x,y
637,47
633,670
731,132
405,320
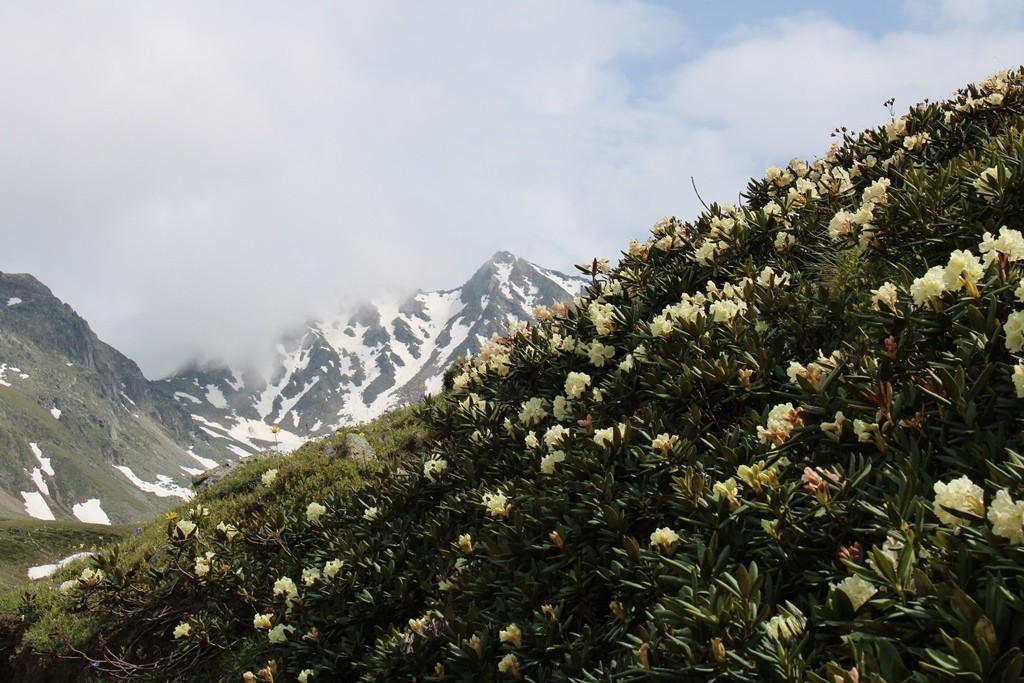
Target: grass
x,y
27,543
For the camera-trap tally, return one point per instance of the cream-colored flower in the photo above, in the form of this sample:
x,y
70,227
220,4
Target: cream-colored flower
x,y
202,567
287,588
664,537
531,440
1014,330
262,621
371,513
512,635
604,437
548,462
182,630
305,676
929,285
555,435
434,468
229,530
785,625
497,504
1007,517
729,490
856,589
886,294
960,494
600,354
835,427
1018,379
466,543
1010,244
963,268
560,408
185,527
664,442
314,511
782,420
269,476
576,383
310,575
533,411
509,664
280,633
332,567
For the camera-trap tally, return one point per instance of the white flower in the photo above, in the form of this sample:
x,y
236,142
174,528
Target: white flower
x,y
1007,517
531,440
963,267
601,316
304,675
332,567
604,437
600,354
434,467
202,567
68,586
986,178
512,635
705,253
784,626
576,383
497,504
185,527
314,511
509,664
661,326
310,575
229,530
182,630
287,588
269,476
554,435
886,294
560,408
841,224
856,589
876,193
1018,379
261,621
1014,329
533,411
664,537
371,513
931,284
782,419
279,634
960,494
1010,243
548,462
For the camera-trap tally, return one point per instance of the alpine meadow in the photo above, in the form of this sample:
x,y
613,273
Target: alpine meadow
x,y
781,441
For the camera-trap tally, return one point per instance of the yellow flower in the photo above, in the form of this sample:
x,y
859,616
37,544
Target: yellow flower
x,y
274,429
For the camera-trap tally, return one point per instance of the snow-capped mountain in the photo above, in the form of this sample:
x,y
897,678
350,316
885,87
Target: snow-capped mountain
x,y
356,366
83,434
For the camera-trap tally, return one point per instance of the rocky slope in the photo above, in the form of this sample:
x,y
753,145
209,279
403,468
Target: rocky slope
x,y
82,433
357,365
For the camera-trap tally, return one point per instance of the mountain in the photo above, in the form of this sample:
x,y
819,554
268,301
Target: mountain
x,y
355,366
82,433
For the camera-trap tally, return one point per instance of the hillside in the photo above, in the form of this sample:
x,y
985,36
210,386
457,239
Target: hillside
x,y
82,433
779,442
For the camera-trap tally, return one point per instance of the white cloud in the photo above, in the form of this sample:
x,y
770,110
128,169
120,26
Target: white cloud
x,y
194,176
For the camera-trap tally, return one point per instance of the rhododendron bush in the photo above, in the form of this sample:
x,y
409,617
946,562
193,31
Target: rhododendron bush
x,y
781,441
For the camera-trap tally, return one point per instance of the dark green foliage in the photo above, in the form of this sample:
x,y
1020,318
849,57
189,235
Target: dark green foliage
x,y
780,442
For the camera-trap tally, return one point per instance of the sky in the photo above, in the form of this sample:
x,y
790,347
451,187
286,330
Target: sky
x,y
196,177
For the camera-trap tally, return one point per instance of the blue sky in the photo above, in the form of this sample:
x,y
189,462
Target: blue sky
x,y
193,177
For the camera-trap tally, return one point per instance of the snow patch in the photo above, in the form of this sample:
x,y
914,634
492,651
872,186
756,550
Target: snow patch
x,y
163,487
44,463
43,570
192,471
37,478
13,301
90,512
55,411
205,462
35,505
183,395
215,397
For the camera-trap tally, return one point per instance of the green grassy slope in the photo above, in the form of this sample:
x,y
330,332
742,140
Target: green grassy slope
x,y
779,442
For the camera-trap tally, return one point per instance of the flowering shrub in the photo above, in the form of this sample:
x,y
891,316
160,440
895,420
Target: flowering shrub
x,y
779,442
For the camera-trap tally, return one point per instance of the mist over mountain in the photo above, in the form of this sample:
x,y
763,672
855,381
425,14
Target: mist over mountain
x,y
84,434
